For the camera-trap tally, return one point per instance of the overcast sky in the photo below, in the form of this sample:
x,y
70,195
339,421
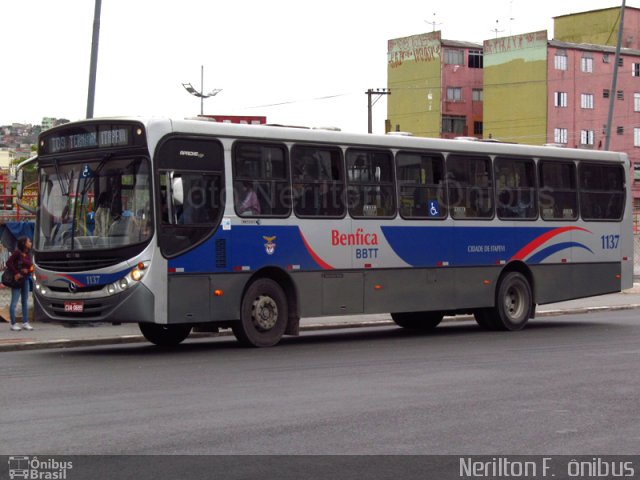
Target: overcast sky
x,y
297,62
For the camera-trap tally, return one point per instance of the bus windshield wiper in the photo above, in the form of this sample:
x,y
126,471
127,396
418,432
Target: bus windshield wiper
x,y
62,189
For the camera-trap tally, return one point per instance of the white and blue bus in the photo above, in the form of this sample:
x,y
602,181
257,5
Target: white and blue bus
x,y
188,223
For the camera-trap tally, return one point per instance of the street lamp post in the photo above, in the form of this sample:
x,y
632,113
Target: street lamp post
x,y
189,88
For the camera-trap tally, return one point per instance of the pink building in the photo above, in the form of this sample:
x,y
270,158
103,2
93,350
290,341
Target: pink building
x,y
579,86
462,90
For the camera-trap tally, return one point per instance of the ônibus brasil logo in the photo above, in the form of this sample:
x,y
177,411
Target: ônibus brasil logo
x,y
38,469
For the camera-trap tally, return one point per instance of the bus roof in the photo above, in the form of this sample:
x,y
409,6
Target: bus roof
x,y
293,134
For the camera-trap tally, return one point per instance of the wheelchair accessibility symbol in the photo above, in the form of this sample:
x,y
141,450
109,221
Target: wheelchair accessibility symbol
x,y
434,208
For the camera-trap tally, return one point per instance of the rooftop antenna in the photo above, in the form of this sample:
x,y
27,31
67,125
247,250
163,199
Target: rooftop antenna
x,y
433,23
496,30
511,17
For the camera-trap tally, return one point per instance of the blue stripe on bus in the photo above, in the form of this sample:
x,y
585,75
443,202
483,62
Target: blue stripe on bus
x,y
429,246
255,246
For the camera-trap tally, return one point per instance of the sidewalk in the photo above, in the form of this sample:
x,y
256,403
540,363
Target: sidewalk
x,y
53,335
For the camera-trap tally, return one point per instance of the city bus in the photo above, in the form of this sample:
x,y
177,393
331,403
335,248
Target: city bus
x,y
176,224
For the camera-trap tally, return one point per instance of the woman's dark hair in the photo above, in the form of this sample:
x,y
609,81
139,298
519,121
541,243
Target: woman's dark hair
x,y
22,244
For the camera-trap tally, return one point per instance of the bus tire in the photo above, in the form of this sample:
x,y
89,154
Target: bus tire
x,y
418,320
165,335
263,315
513,303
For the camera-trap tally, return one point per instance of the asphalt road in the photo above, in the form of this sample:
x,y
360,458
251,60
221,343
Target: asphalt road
x,y
564,385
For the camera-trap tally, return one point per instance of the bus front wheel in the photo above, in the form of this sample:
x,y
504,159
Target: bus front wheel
x,y
418,320
165,335
512,307
263,315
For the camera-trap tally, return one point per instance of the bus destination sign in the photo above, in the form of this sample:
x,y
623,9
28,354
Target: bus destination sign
x,y
87,137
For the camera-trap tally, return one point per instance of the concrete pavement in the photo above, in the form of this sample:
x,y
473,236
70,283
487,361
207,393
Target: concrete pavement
x,y
53,335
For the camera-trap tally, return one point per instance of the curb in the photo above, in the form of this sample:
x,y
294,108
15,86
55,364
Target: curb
x,y
313,327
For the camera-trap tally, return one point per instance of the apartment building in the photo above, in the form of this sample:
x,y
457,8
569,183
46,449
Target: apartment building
x,y
436,86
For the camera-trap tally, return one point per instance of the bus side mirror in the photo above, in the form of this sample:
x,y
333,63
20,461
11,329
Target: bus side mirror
x,y
19,183
20,174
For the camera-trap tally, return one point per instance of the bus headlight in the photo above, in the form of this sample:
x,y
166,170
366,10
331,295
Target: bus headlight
x,y
41,289
137,274
123,283
111,289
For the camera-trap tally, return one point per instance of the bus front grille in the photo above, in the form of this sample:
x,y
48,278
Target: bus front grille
x,y
71,265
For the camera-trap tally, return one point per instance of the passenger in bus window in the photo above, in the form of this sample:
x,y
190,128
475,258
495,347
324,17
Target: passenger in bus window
x,y
249,204
103,215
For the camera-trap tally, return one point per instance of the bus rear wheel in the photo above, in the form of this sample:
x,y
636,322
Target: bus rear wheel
x,y
418,320
512,307
263,315
165,335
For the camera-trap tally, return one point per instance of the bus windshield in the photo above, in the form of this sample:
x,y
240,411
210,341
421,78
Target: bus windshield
x,y
96,204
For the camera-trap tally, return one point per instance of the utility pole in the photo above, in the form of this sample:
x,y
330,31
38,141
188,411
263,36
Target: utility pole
x,y
614,83
379,92
94,59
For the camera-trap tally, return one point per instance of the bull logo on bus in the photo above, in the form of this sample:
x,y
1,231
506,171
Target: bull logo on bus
x,y
270,247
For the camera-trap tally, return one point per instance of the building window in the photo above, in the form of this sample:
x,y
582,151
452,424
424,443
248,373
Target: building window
x,y
620,95
560,135
621,62
605,58
560,61
586,100
636,102
586,137
477,128
475,59
586,64
454,94
560,99
478,95
635,69
620,130
636,178
636,137
605,93
454,125
453,56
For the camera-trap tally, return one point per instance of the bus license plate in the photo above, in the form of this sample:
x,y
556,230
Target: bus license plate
x,y
74,307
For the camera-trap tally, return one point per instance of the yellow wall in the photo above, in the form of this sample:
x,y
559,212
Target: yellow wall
x,y
599,27
414,76
515,88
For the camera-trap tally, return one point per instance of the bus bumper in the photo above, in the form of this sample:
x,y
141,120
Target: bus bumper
x,y
131,306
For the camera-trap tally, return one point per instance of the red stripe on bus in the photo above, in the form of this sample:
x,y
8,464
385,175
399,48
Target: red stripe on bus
x,y
315,257
524,252
73,280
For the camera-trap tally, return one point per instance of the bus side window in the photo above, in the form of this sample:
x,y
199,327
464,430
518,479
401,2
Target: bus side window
x,y
261,180
318,185
371,191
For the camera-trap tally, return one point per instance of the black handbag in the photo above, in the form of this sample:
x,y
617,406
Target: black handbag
x,y
8,279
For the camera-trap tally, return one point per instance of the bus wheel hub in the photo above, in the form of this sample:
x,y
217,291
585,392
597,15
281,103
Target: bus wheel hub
x,y
265,313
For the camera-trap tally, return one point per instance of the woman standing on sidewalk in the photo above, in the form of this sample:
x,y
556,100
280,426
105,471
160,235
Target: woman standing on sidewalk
x,y
20,264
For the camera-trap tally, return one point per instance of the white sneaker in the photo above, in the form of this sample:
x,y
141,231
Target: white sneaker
x,y
15,327
26,326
